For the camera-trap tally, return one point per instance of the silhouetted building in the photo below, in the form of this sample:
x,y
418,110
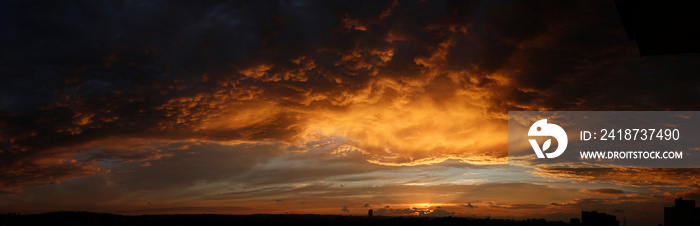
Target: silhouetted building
x,y
682,214
593,218
370,212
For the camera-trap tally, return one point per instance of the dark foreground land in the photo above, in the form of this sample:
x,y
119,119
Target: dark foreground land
x,y
87,218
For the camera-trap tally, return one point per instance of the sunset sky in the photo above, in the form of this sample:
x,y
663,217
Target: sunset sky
x,y
323,107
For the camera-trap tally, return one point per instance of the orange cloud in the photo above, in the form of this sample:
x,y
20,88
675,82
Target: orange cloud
x,y
635,177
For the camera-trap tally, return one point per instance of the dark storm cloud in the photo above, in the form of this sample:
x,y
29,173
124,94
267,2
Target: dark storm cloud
x,y
94,82
80,72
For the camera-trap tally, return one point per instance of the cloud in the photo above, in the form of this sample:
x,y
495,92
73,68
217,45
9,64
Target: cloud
x,y
440,212
635,177
42,172
187,209
394,212
470,206
518,206
604,191
121,94
431,212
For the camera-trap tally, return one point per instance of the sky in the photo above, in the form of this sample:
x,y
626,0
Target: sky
x,y
322,107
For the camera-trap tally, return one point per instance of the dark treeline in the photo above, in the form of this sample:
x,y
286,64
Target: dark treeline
x,y
97,219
